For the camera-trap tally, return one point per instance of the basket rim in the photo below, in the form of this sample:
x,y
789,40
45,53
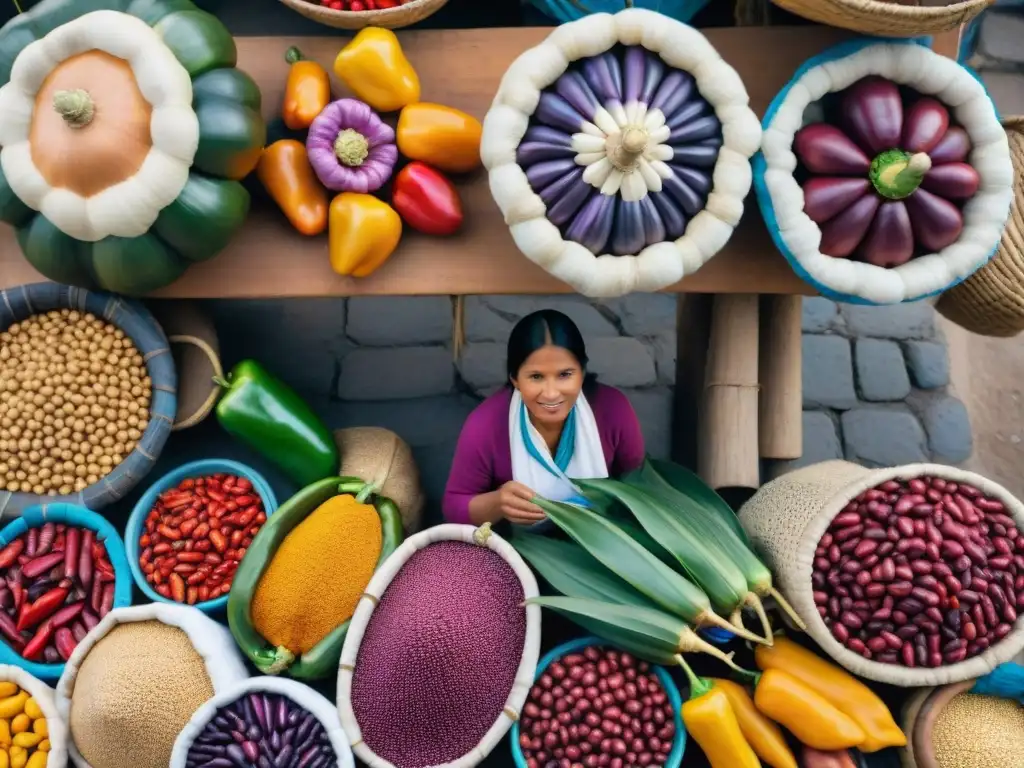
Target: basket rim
x,y
198,468
376,13
891,10
81,517
675,757
382,579
158,429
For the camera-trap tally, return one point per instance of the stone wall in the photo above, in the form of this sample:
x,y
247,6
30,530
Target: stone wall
x,y
381,361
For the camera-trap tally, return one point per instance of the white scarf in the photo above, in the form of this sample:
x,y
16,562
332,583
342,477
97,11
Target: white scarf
x,y
543,476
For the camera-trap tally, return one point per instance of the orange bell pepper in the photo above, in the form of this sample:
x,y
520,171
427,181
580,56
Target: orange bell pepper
x,y
286,174
364,232
306,93
443,137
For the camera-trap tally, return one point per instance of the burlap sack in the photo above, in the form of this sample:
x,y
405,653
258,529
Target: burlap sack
x,y
786,519
381,457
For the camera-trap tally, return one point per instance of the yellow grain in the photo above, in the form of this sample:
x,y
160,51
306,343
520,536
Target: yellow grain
x,y
979,732
135,691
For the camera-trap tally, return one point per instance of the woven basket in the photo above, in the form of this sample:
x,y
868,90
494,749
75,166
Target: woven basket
x,y
381,457
389,18
196,351
370,599
787,518
886,18
135,320
991,301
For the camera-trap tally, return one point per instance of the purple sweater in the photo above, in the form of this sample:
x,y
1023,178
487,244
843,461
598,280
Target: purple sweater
x,y
483,457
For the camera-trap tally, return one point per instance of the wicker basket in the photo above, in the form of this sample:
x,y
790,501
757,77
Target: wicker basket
x,y
389,18
886,18
991,301
196,352
140,326
371,599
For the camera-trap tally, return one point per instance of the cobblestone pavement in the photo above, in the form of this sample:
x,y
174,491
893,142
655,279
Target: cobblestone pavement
x,y
876,387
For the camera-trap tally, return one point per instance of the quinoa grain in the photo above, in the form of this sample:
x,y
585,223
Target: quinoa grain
x,y
67,380
979,732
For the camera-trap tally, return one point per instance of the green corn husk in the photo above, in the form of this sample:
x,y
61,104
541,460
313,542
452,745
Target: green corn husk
x,y
620,554
648,633
621,517
572,571
718,523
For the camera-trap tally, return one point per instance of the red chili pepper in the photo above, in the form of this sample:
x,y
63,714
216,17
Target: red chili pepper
x,y
71,553
42,608
10,632
67,614
38,643
65,643
426,200
10,553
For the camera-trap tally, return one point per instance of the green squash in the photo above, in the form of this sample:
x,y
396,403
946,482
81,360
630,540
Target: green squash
x,y
172,219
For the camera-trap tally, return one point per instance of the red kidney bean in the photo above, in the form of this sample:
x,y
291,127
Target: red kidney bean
x,y
904,572
900,588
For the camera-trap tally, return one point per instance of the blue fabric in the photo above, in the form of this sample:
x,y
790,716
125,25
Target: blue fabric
x,y
764,201
563,454
562,11
1005,681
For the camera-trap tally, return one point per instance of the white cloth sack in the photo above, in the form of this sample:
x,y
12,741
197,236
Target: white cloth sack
x,y
56,725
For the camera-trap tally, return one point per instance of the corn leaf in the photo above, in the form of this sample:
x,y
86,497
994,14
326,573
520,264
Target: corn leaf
x,y
696,490
568,568
620,554
710,570
622,518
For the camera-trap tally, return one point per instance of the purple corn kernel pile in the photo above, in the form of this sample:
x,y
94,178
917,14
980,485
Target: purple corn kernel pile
x,y
262,730
440,655
920,572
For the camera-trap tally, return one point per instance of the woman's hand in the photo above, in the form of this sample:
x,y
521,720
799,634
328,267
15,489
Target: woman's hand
x,y
516,505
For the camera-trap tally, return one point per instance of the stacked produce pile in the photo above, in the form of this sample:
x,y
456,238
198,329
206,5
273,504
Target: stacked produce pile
x,y
597,703
24,733
58,583
348,149
920,572
890,183
74,402
439,655
262,729
196,535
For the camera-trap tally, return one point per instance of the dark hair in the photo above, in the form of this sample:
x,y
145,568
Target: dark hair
x,y
540,329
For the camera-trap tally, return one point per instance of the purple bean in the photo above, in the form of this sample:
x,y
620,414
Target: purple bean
x,y
237,756
282,712
307,758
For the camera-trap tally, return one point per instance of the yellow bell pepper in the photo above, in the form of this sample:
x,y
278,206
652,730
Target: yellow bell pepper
x,y
374,67
841,689
363,232
710,720
762,734
443,137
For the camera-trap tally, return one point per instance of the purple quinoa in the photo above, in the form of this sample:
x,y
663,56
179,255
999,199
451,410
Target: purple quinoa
x,y
440,655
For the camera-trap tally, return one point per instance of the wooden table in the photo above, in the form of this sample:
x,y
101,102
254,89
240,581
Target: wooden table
x,y
269,259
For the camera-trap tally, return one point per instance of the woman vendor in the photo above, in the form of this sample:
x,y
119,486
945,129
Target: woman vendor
x,y
551,423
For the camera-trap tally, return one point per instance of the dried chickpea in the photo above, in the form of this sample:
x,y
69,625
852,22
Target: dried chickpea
x,y
68,383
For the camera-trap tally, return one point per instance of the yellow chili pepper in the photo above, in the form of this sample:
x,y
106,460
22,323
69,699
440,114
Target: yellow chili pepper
x,y
38,760
443,137
364,232
285,172
306,93
44,745
19,756
374,67
710,719
7,689
762,734
39,726
32,709
5,759
21,723
27,739
13,705
5,733
839,688
808,715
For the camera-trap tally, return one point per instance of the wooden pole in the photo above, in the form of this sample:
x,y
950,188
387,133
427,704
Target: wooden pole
x,y
780,428
728,445
693,325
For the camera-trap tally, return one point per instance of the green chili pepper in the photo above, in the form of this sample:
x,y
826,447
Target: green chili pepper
x,y
321,661
271,419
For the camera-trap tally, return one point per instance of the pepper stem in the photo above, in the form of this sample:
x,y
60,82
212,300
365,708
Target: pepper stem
x,y
75,106
221,382
747,676
351,148
293,55
896,174
698,685
368,490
